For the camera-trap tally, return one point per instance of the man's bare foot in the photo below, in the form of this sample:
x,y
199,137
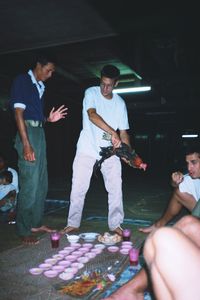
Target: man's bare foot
x,y
68,229
149,228
29,240
43,228
118,230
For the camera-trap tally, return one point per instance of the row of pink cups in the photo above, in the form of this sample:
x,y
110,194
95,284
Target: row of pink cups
x,y
68,261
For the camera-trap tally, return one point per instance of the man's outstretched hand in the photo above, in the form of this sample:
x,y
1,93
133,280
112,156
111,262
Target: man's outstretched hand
x,y
56,115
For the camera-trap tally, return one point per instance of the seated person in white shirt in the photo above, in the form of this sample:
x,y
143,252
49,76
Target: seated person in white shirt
x,y
8,191
8,186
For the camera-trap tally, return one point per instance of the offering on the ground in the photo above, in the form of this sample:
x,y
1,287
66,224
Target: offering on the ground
x,y
109,239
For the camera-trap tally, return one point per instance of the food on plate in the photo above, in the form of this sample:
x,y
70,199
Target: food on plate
x,y
107,238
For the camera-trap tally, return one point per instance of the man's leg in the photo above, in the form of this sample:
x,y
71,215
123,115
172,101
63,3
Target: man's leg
x,y
111,170
190,226
82,172
166,251
176,203
28,213
134,289
41,186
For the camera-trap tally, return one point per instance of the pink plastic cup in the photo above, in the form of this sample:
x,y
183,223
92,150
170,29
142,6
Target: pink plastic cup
x,y
134,256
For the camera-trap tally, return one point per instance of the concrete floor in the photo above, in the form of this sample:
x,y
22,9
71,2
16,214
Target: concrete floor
x,y
145,198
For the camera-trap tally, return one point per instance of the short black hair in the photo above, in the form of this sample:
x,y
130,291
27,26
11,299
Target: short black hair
x,y
111,72
43,58
7,175
193,147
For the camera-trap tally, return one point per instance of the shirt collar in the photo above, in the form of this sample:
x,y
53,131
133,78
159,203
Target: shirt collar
x,y
39,84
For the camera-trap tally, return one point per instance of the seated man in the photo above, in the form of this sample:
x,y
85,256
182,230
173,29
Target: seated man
x,y
7,191
186,190
8,188
166,251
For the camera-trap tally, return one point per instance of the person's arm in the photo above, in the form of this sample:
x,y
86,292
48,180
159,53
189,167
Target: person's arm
x,y
99,122
125,138
27,148
176,179
56,115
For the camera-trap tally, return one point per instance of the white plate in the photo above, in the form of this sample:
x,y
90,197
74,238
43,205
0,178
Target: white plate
x,y
109,240
89,236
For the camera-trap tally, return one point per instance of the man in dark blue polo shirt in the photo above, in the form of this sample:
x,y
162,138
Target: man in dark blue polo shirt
x,y
27,102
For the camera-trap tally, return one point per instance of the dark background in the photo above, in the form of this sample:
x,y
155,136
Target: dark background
x,y
155,45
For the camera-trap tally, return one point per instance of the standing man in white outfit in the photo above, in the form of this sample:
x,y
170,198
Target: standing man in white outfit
x,y
103,112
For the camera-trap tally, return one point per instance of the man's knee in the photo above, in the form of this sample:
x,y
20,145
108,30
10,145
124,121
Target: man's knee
x,y
156,242
185,222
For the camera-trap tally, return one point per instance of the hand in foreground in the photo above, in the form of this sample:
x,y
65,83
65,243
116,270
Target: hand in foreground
x,y
115,140
56,115
177,178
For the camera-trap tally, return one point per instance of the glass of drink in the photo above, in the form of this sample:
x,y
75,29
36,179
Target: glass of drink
x,y
55,238
134,256
126,234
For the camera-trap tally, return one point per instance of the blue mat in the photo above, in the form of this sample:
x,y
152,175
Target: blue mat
x,y
125,276
126,221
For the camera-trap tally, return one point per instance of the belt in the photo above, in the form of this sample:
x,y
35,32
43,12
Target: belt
x,y
34,123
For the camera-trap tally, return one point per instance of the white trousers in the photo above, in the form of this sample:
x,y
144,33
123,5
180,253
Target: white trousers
x,y
112,175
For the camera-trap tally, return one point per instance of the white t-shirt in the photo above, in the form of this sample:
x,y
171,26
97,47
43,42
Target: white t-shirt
x,y
6,188
114,113
190,186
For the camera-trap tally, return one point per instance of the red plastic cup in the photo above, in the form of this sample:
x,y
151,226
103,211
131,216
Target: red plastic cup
x,y
134,256
55,238
126,234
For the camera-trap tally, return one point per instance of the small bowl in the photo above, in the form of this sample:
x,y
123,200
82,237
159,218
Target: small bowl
x,y
77,253
87,245
113,249
58,268
51,273
69,248
128,247
45,266
90,255
83,260
72,270
73,238
51,261
100,246
83,250
70,258
64,263
65,252
96,250
127,243
89,236
66,276
124,251
36,271
76,245
77,265
58,256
